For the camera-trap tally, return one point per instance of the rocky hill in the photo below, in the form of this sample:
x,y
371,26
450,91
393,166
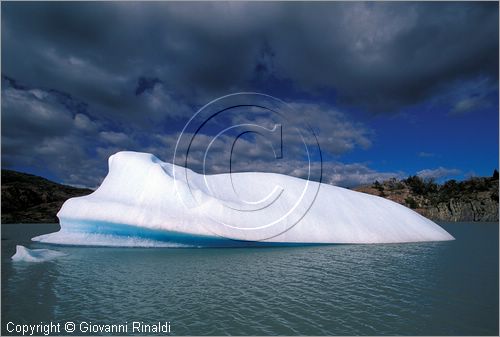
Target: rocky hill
x,y
28,198
475,199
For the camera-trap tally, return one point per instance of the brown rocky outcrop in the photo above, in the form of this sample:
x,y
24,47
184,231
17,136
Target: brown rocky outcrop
x,y
475,199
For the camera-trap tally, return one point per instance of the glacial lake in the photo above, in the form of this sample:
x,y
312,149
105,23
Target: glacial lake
x,y
440,288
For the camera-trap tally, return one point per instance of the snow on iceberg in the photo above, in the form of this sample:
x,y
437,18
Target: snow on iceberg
x,y
35,255
144,198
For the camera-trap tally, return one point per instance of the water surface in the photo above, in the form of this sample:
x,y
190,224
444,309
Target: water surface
x,y
442,288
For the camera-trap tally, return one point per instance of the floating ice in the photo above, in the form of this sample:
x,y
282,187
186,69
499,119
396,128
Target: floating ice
x,y
35,255
64,237
143,199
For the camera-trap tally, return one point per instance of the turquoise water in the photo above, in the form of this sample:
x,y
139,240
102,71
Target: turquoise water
x,y
443,288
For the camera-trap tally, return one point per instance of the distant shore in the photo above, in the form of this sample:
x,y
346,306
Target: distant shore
x,y
28,198
475,199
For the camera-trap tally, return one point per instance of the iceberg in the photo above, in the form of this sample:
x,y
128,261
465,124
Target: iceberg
x,y
35,255
146,202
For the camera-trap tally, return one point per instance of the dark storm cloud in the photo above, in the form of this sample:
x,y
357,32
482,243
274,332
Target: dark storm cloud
x,y
384,56
146,84
84,80
381,56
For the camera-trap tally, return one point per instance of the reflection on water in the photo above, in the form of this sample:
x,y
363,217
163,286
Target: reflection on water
x,y
425,288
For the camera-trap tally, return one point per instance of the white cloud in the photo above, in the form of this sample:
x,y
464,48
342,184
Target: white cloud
x,y
250,156
114,137
335,132
161,103
440,172
465,105
64,151
423,154
84,123
469,96
26,112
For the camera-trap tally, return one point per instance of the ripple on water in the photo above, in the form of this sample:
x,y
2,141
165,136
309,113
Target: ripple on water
x,y
424,288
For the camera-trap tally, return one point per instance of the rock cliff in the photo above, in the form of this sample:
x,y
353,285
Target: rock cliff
x,y
475,199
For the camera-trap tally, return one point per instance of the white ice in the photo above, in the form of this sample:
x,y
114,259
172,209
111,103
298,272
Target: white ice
x,y
106,240
145,197
35,255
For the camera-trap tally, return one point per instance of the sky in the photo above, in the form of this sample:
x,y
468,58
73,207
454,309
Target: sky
x,y
382,89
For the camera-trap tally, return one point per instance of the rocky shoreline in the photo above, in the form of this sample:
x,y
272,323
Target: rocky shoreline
x,y
475,199
27,198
